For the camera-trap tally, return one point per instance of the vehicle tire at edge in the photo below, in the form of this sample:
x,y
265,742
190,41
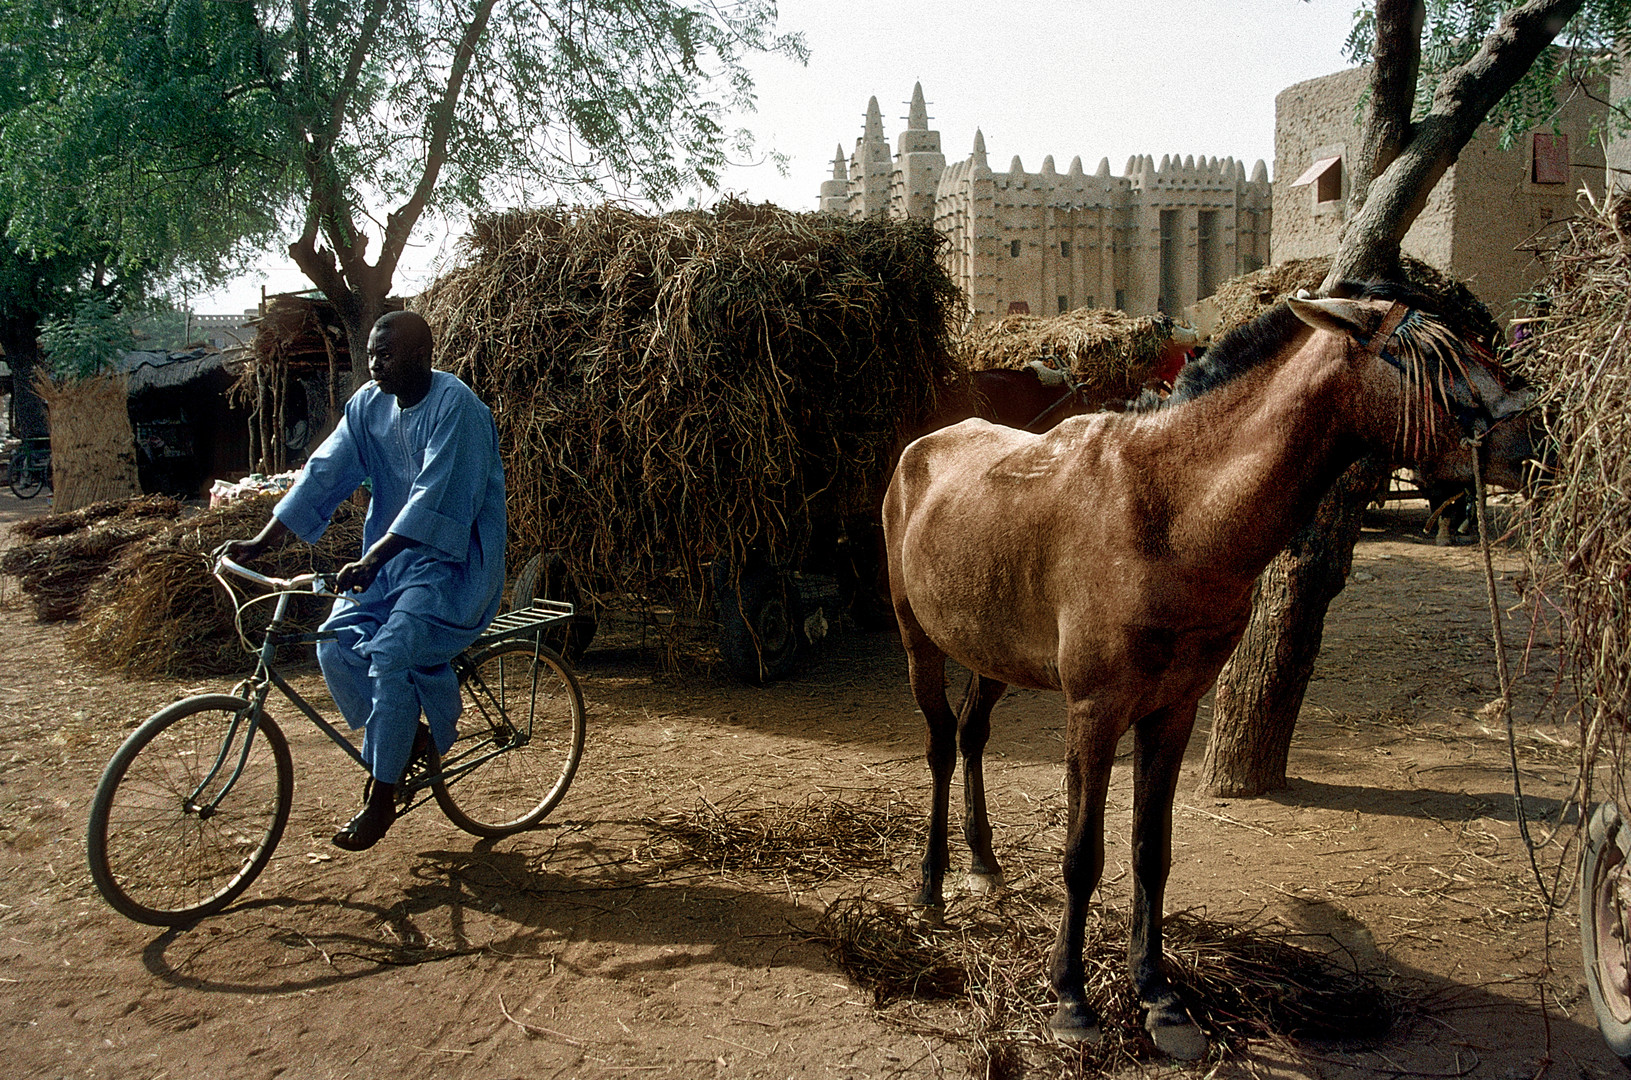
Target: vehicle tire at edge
x,y
1607,844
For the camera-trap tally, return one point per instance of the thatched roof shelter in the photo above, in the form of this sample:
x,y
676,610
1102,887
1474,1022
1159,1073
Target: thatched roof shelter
x,y
675,389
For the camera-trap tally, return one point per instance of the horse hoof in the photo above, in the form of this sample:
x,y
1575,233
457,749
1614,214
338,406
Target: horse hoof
x,y
1178,1037
1075,1026
982,884
932,917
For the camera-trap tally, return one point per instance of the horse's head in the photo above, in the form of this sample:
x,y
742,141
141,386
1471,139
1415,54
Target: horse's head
x,y
1439,371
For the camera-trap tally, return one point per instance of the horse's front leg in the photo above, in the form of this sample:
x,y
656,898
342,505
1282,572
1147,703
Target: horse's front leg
x,y
1090,752
973,732
1160,739
926,670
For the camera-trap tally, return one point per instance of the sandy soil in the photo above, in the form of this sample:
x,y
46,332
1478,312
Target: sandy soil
x,y
572,951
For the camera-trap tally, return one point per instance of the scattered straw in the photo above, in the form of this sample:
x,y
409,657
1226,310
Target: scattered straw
x,y
61,556
1239,983
1242,299
822,838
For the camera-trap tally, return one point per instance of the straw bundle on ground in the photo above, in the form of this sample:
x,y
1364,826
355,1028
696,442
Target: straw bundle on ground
x,y
1580,534
1108,350
61,556
159,612
671,390
1241,299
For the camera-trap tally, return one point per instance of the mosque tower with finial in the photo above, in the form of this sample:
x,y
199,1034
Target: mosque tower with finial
x,y
1154,239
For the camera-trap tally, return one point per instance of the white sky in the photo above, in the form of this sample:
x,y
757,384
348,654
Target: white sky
x,y
1095,78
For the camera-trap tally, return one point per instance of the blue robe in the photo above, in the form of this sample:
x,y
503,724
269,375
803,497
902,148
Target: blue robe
x,y
436,480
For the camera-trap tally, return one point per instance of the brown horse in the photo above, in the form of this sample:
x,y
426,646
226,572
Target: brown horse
x,y
1113,558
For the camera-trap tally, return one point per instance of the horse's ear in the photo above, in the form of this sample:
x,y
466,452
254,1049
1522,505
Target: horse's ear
x,y
1338,316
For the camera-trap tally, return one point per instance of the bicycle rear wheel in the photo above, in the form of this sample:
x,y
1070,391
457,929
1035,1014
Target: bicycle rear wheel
x,y
535,743
153,855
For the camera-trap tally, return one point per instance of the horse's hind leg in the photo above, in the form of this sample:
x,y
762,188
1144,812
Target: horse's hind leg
x,y
926,669
973,731
1160,739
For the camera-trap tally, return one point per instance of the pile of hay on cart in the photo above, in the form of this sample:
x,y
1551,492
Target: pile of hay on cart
x,y
674,390
1241,299
1108,351
1579,532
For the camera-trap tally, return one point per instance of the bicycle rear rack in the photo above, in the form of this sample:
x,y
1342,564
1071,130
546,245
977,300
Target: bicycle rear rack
x,y
525,622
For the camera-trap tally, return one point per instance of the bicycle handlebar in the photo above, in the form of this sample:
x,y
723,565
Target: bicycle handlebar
x,y
317,584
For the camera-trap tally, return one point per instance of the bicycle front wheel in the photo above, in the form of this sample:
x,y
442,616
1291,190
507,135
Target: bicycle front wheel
x,y
523,714
164,852
27,476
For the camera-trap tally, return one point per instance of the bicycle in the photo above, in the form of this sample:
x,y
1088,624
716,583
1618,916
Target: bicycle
x,y
191,806
30,468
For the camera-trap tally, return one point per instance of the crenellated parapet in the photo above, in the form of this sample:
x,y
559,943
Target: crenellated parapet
x,y
1157,237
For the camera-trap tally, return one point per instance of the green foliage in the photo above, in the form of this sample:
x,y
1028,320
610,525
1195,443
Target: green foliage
x,y
205,128
86,342
1581,54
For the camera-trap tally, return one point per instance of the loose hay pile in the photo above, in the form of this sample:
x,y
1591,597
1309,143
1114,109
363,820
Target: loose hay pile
x,y
986,962
1580,529
157,611
672,390
1107,350
1239,983
61,556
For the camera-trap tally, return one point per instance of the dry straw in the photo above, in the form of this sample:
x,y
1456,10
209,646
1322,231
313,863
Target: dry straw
x,y
676,389
986,961
1240,300
60,556
1108,351
158,611
1579,539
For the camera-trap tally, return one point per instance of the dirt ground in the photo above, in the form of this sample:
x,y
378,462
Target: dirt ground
x,y
571,951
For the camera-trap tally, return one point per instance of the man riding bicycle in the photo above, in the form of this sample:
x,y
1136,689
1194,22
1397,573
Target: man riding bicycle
x,y
432,568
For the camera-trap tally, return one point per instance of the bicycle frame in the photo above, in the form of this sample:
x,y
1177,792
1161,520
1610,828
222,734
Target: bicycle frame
x,y
506,735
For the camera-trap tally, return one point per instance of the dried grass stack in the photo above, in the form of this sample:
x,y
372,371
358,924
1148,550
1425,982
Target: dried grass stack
x,y
1244,298
93,450
60,556
158,611
670,390
1580,535
1108,350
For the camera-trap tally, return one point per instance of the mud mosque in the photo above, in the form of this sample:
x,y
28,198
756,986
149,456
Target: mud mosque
x,y
1156,238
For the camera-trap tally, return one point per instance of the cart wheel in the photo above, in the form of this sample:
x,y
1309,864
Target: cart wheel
x,y
547,577
759,621
1605,905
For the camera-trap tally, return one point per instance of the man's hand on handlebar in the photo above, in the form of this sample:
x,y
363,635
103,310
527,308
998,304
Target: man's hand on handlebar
x,y
241,551
357,576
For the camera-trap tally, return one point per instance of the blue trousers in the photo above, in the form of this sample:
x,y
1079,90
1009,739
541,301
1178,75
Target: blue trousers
x,y
383,675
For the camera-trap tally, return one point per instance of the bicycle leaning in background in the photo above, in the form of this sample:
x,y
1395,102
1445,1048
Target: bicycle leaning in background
x,y
30,468
192,804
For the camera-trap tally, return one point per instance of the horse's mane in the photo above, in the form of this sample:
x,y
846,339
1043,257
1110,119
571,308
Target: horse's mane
x,y
1434,349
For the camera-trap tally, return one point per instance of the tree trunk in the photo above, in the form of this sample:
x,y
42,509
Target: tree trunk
x,y
20,340
1260,691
